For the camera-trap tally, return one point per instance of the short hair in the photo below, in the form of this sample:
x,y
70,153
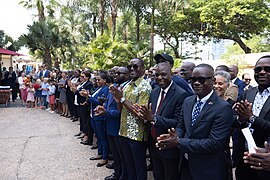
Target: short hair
x,y
224,74
224,68
105,76
209,67
140,60
266,56
87,73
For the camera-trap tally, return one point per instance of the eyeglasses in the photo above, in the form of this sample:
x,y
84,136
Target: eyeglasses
x,y
260,68
247,79
134,66
201,80
83,76
118,73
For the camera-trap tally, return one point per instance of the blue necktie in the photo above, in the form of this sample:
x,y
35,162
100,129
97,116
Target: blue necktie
x,y
196,112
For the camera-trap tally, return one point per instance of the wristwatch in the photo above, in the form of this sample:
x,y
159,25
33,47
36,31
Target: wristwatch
x,y
122,100
252,119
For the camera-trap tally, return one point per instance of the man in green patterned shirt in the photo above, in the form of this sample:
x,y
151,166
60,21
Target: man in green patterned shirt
x,y
132,132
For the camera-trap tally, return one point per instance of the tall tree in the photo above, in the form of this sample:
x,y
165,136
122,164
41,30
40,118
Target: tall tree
x,y
114,7
234,20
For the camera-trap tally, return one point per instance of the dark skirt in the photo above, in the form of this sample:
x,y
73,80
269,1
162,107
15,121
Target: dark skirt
x,y
38,93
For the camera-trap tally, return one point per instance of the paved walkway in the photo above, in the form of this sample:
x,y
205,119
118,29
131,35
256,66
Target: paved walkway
x,y
35,144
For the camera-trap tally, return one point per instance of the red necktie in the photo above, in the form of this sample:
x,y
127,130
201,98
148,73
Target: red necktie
x,y
153,129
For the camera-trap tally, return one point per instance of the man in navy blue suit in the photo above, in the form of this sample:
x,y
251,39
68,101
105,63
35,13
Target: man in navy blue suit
x,y
178,80
241,84
164,113
112,115
203,130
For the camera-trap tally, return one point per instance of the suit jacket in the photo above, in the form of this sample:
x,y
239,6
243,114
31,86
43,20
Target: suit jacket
x,y
179,81
87,86
112,116
95,102
241,85
206,140
261,126
168,115
232,92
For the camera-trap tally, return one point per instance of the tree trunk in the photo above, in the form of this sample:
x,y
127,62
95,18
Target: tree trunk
x,y
138,26
47,59
102,16
40,8
94,25
114,16
243,46
152,37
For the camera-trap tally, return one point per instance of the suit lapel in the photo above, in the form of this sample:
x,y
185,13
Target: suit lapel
x,y
111,99
155,99
168,96
251,95
188,114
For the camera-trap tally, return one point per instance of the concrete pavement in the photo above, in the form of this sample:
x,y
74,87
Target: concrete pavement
x,y
35,144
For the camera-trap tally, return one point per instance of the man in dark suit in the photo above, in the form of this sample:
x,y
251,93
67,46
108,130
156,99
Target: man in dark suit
x,y
240,84
203,130
178,80
164,113
254,112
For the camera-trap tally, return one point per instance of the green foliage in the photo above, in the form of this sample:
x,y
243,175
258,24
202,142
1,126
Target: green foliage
x,y
256,43
103,53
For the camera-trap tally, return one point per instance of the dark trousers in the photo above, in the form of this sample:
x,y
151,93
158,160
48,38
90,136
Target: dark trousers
x,y
244,172
90,131
134,153
70,102
14,93
99,127
163,169
185,173
119,164
84,117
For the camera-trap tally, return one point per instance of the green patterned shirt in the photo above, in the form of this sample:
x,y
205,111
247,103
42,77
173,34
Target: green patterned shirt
x,y
131,126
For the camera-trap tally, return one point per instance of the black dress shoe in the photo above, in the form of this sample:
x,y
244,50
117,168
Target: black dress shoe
x,y
86,143
96,158
109,166
78,134
74,120
100,164
111,177
94,147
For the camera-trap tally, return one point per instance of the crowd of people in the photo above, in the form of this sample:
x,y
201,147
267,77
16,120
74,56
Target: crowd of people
x,y
185,119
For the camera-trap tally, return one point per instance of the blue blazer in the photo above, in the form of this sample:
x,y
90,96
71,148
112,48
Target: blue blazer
x,y
241,85
179,81
112,116
45,75
206,140
95,102
168,116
